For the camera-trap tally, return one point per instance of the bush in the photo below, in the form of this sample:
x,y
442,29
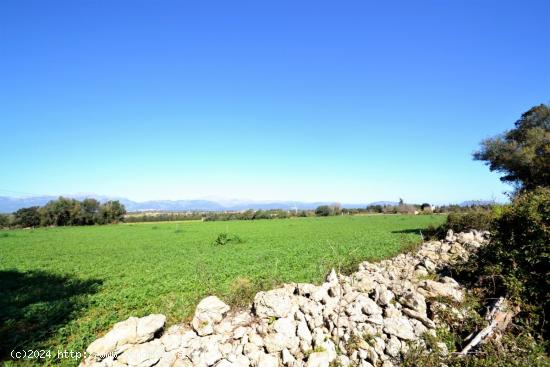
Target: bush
x,y
241,292
27,217
518,258
480,219
225,238
322,211
4,220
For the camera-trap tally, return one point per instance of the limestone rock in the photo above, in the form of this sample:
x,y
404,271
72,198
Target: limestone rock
x,y
400,327
274,303
415,301
209,312
318,359
437,289
268,360
122,333
148,326
142,355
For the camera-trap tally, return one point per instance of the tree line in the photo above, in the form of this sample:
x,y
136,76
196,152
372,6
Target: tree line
x,y
66,212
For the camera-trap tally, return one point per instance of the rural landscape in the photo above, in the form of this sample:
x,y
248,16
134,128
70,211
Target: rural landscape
x,y
275,184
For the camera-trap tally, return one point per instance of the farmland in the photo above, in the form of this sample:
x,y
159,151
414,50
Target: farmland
x,y
62,287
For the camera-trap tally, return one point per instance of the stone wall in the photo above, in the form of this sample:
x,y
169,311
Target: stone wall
x,y
369,318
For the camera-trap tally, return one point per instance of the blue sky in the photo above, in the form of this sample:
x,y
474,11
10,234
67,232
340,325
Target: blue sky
x,y
349,101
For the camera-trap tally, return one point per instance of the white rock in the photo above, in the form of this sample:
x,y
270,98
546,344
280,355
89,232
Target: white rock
x,y
182,363
122,333
209,312
275,303
167,359
268,360
148,326
285,326
303,331
318,359
142,355
414,301
286,357
393,347
385,297
436,289
400,327
171,341
369,307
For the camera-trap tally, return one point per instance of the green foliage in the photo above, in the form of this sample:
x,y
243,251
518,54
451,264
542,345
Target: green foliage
x,y
323,211
5,220
242,291
518,259
88,213
111,212
225,238
523,153
144,271
27,217
68,212
60,212
247,215
326,210
479,219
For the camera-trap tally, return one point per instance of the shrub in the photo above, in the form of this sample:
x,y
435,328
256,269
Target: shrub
x,y
480,219
225,238
4,220
241,292
27,217
322,211
518,258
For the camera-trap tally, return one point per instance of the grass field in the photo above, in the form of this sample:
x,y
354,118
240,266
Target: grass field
x,y
62,287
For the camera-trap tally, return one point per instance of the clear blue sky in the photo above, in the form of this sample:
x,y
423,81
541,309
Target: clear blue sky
x,y
351,101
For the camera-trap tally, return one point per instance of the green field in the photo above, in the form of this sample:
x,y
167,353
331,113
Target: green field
x,y
62,287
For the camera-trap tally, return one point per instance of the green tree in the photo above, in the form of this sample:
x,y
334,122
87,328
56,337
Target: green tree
x,y
27,217
322,211
523,153
4,220
111,212
89,211
60,212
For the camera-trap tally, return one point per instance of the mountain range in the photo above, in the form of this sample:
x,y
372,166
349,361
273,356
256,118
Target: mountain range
x,y
11,204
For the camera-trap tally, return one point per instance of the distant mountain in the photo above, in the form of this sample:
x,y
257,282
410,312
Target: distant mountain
x,y
11,204
476,202
382,203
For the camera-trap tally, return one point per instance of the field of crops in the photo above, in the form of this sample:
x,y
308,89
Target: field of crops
x,y
62,287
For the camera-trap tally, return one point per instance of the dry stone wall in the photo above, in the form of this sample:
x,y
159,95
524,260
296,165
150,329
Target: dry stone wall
x,y
369,318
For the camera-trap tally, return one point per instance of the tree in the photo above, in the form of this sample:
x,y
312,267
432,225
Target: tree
x,y
523,153
60,212
111,212
27,217
335,209
4,220
89,210
322,211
